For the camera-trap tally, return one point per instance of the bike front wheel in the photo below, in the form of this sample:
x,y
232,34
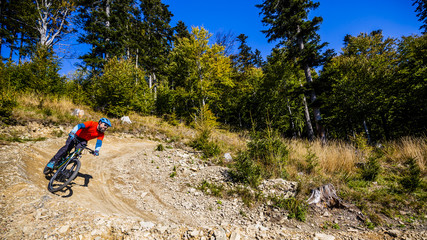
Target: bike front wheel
x,y
64,176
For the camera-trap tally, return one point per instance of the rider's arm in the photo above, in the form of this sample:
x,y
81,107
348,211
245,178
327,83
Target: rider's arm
x,y
77,127
97,147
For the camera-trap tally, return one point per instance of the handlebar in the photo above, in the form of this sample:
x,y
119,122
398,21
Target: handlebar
x,y
91,151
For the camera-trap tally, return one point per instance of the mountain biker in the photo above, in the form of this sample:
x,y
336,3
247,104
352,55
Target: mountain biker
x,y
83,132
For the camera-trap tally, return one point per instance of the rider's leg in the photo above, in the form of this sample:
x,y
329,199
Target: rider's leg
x,y
82,143
69,144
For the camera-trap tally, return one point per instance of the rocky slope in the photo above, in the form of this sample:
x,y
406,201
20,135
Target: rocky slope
x,y
133,191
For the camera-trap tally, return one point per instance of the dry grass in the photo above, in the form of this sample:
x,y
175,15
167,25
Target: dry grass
x,y
333,157
406,147
46,108
228,141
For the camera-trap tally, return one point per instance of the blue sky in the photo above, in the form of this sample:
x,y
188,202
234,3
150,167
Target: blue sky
x,y
395,17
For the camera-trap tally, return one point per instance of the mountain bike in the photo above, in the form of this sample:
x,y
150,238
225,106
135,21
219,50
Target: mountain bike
x,y
66,169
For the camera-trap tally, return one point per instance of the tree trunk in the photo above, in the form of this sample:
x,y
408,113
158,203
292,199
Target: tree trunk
x,y
385,127
365,125
316,110
20,49
58,16
292,119
155,85
12,47
326,196
307,119
107,25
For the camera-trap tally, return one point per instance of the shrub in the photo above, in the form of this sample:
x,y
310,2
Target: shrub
x,y
265,158
7,103
202,143
371,169
211,188
411,176
160,147
312,161
245,170
297,208
122,88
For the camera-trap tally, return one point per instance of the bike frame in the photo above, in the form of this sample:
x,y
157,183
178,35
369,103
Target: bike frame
x,y
77,153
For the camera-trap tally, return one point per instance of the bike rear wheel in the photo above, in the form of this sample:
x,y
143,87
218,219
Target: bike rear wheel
x,y
64,176
47,171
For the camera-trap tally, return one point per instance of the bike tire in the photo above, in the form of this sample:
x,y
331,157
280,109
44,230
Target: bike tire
x,y
64,176
47,171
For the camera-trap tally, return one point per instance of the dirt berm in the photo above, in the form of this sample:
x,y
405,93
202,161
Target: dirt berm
x,y
132,191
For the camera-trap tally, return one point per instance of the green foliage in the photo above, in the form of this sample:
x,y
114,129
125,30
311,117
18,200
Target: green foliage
x,y
245,170
173,174
411,179
211,189
297,208
421,11
371,169
154,38
280,95
327,225
410,91
44,77
202,143
265,158
171,119
160,147
199,73
205,122
369,225
7,103
312,161
377,84
122,89
115,34
78,87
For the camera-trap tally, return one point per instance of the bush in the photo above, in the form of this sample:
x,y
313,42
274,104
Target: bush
x,y
211,188
245,170
160,147
265,158
121,89
7,103
297,209
312,161
411,176
202,143
371,169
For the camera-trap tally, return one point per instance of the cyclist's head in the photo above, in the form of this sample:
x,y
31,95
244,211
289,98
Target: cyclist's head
x,y
106,121
103,127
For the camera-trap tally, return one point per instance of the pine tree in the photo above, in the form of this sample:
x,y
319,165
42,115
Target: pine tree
x,y
181,30
289,24
421,13
109,27
156,41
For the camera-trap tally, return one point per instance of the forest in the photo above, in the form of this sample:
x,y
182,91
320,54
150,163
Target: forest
x,y
139,63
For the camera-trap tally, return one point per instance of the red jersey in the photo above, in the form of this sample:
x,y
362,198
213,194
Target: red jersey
x,y
90,131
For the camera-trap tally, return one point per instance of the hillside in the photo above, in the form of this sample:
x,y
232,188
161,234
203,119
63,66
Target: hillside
x,y
129,192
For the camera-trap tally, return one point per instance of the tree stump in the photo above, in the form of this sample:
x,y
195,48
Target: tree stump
x,y
325,196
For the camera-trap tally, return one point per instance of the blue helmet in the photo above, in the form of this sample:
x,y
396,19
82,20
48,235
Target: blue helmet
x,y
106,121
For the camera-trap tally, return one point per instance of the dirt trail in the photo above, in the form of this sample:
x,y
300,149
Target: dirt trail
x,y
128,192
95,188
